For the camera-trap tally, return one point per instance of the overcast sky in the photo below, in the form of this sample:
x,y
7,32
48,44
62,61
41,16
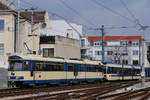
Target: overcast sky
x,y
92,15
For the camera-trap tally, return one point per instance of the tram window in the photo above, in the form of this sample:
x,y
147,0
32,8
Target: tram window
x,y
91,68
39,66
70,67
98,68
109,70
15,66
25,66
81,67
60,67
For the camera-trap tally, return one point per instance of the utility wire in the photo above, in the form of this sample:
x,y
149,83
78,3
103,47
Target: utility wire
x,y
109,9
132,15
76,12
54,14
142,27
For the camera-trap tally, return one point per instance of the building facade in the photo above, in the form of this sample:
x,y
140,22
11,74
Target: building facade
x,y
118,49
10,41
59,46
62,39
64,28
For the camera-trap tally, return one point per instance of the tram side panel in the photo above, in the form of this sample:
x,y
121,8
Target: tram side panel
x,y
94,73
50,73
75,72
81,72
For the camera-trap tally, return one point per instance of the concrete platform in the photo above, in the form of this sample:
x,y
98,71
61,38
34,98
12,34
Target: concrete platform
x,y
3,78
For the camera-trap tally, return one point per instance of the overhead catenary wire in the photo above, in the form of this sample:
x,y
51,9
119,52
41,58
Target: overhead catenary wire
x,y
132,15
109,9
77,13
61,17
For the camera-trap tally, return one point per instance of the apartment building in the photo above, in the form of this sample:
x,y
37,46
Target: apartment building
x,y
34,28
118,49
27,41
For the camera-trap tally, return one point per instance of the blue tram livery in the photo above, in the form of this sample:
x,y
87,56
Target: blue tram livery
x,y
27,70
33,70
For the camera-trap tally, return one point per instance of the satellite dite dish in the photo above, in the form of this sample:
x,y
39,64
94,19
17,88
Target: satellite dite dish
x,y
43,25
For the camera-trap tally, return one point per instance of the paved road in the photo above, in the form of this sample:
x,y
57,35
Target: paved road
x,y
3,78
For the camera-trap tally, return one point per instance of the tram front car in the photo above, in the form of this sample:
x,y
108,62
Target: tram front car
x,y
17,71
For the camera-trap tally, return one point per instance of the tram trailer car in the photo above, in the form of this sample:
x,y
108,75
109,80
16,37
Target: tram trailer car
x,y
32,70
122,72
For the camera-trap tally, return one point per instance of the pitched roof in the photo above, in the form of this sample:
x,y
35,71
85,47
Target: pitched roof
x,y
109,38
3,6
39,16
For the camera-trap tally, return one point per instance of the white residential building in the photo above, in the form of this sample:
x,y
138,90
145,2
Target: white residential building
x,y
118,49
64,28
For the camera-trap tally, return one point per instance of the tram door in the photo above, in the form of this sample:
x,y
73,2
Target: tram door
x,y
32,69
76,70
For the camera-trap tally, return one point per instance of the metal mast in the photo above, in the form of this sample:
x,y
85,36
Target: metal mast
x,y
143,58
18,35
103,44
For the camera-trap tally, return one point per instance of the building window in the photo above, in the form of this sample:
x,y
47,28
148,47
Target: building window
x,y
97,43
109,52
97,53
135,52
83,51
135,62
125,61
1,25
135,43
48,52
124,43
1,49
82,43
90,52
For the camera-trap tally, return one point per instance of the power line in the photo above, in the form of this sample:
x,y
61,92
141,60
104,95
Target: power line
x,y
69,7
133,16
113,27
109,9
54,14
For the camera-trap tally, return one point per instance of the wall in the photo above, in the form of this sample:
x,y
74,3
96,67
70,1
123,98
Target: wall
x,y
64,47
7,37
61,27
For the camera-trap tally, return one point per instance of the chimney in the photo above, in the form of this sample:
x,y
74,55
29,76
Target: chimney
x,y
12,6
4,2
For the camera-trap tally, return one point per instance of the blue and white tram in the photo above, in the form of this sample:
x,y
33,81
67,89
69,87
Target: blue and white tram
x,y
122,72
30,70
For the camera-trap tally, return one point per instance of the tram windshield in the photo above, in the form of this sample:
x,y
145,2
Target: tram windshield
x,y
15,66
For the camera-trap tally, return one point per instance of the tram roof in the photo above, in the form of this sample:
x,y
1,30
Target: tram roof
x,y
40,58
92,62
35,58
74,61
124,66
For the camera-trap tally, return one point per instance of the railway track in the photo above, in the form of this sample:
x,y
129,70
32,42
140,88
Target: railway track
x,y
83,92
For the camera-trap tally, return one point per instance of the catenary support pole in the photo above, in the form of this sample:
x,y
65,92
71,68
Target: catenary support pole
x,y
143,60
103,44
18,35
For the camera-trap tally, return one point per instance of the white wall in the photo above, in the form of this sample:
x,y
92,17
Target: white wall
x,y
61,28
